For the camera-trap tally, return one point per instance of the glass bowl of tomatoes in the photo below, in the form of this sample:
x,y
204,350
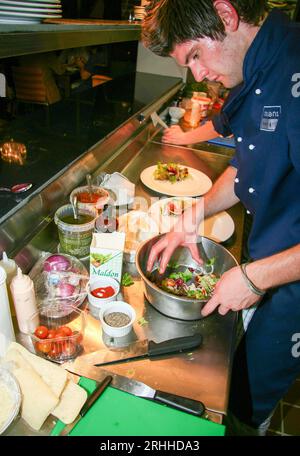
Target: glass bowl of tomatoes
x,y
56,339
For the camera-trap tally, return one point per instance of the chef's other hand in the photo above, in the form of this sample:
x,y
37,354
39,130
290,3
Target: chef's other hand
x,y
165,247
174,135
231,293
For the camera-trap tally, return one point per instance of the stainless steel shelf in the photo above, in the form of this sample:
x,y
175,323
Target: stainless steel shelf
x,y
30,39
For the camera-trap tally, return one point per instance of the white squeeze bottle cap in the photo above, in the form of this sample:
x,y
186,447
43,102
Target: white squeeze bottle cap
x,y
23,294
6,327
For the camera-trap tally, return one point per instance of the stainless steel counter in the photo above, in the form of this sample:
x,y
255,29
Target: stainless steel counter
x,y
203,374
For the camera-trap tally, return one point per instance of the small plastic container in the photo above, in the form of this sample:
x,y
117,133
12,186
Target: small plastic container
x,y
57,346
120,307
97,200
75,238
96,303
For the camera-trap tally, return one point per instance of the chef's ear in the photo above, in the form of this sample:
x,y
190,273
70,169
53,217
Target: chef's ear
x,y
228,15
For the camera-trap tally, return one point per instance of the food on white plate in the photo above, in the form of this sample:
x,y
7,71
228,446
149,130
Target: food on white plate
x,y
172,172
7,403
188,282
71,401
175,207
45,388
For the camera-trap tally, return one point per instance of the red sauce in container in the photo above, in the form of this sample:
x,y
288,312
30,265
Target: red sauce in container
x,y
86,197
103,292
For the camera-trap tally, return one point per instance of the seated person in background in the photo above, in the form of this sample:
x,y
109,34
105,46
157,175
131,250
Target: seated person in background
x,y
92,63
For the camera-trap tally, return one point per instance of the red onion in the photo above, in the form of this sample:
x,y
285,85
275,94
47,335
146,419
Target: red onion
x,y
56,263
64,290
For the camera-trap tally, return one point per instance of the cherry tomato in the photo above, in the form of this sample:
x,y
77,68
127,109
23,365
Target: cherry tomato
x,y
41,332
51,334
60,333
56,349
68,348
66,330
44,347
78,337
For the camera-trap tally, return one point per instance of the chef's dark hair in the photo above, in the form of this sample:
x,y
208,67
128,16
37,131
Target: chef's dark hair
x,y
171,22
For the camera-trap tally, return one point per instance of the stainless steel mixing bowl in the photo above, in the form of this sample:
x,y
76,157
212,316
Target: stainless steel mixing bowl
x,y
177,306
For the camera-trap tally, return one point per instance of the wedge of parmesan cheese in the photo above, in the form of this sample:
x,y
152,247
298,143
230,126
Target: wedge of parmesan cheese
x,y
71,402
54,376
38,399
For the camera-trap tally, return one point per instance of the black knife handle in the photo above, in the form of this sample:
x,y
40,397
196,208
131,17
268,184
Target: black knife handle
x,y
181,403
95,394
174,345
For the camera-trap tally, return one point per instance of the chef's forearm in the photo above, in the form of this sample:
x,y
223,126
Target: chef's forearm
x,y
219,198
203,133
276,270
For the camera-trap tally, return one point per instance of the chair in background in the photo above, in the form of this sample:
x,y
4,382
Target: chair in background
x,y
35,85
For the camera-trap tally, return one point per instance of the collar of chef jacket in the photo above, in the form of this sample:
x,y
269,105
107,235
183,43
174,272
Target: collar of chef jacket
x,y
258,59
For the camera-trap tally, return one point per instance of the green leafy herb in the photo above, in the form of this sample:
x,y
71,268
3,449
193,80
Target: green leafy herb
x,y
142,321
185,276
173,265
127,280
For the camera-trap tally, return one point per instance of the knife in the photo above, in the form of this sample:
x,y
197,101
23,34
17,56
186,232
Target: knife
x,y
88,404
136,388
149,349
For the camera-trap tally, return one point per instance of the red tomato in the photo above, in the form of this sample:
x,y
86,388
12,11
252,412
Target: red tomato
x,y
56,350
68,348
60,333
41,332
43,347
66,330
78,337
51,334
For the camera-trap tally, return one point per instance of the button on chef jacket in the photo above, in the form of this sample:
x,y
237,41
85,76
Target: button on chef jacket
x,y
263,113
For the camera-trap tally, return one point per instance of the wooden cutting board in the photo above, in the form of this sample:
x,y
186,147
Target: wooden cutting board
x,y
117,413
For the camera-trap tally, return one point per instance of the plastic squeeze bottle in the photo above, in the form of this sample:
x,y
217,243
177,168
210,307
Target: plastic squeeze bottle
x,y
23,294
10,267
7,334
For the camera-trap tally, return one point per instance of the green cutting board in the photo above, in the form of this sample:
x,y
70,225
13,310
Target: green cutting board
x,y
117,413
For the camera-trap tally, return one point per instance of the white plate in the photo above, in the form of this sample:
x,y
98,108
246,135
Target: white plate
x,y
196,184
219,227
21,15
138,227
28,10
13,4
12,385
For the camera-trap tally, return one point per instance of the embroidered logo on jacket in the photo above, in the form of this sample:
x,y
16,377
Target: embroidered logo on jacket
x,y
270,118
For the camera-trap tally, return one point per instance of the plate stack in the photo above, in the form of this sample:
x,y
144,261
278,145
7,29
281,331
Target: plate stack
x,y
139,13
29,11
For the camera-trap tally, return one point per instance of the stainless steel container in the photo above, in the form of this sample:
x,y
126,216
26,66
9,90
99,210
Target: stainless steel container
x,y
177,306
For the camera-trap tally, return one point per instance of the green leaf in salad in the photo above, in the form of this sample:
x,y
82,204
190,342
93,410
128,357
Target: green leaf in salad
x,y
173,264
185,276
127,280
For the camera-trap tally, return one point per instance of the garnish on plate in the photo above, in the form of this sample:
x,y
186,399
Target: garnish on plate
x,y
172,172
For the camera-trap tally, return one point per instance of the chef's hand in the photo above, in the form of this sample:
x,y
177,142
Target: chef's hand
x,y
165,247
231,293
174,135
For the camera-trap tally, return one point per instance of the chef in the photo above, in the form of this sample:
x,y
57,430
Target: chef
x,y
257,55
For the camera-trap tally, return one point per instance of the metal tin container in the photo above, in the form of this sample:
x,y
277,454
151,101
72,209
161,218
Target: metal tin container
x,y
171,305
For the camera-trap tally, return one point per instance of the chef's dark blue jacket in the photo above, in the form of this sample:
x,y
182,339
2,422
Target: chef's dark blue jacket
x,y
263,113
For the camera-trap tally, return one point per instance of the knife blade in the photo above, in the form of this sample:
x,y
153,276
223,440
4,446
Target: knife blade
x,y
88,404
136,388
148,349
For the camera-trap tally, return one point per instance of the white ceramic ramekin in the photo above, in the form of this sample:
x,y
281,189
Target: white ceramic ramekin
x,y
95,304
117,306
